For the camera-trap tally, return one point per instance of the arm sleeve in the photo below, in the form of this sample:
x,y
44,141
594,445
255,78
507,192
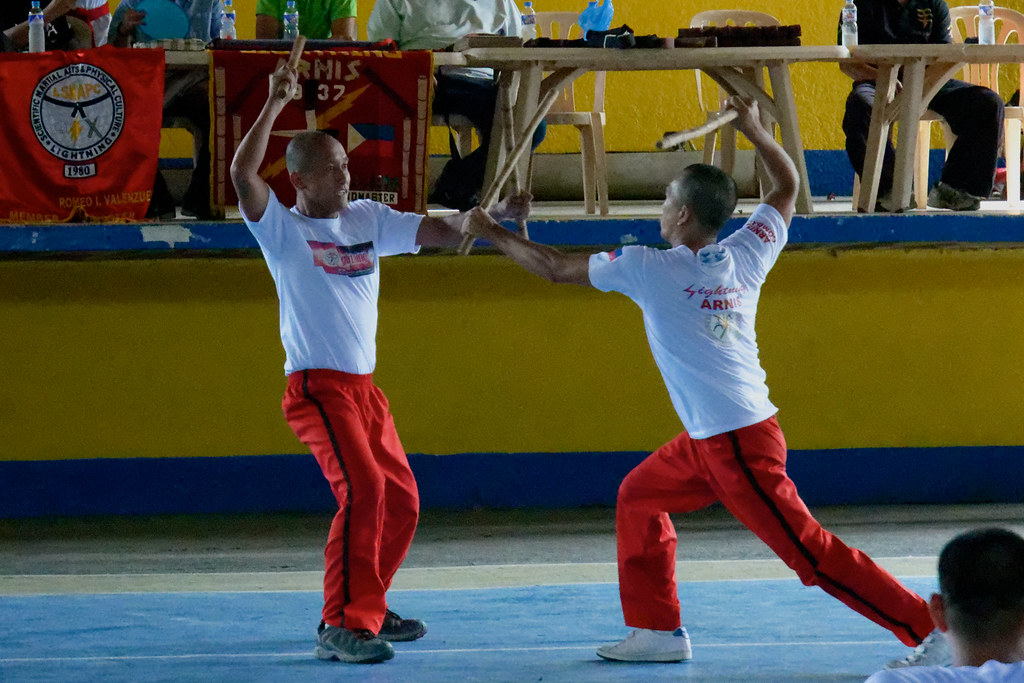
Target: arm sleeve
x,y
342,9
384,22
761,239
396,231
621,270
940,24
269,229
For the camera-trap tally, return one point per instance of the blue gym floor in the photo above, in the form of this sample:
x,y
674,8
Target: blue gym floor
x,y
747,630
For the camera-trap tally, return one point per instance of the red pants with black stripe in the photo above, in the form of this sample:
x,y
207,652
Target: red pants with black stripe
x,y
745,469
345,421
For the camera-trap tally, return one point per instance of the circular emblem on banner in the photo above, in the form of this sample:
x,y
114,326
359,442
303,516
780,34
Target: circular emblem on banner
x,y
77,112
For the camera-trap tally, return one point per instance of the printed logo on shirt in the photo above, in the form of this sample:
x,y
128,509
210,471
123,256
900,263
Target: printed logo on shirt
x,y
763,231
724,327
924,15
352,260
612,255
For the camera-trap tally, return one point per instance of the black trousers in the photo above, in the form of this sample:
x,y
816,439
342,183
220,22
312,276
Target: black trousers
x,y
974,114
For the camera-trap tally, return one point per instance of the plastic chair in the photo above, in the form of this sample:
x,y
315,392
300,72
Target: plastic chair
x,y
964,24
711,104
589,122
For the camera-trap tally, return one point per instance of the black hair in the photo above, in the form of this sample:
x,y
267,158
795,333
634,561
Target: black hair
x,y
708,191
981,578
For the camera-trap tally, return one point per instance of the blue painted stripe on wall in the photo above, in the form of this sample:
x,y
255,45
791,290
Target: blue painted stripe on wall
x,y
278,483
818,229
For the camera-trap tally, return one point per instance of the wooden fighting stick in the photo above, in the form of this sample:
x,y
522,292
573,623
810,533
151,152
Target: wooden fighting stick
x,y
524,144
671,140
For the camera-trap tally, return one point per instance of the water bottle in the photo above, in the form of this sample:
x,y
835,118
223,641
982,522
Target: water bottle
x,y
227,21
848,21
604,16
291,21
529,21
986,23
36,28
588,18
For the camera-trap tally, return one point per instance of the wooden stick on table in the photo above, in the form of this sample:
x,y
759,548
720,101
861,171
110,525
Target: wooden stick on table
x,y
672,139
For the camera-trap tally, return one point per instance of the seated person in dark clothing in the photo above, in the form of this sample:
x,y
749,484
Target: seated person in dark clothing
x,y
974,113
467,92
14,24
185,96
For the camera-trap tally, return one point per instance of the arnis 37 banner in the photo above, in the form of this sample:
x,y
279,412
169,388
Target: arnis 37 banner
x,y
376,103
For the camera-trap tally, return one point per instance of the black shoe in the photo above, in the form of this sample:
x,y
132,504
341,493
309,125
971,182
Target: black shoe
x,y
398,630
344,645
161,204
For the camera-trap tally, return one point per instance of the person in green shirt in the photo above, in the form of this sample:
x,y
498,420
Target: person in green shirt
x,y
318,19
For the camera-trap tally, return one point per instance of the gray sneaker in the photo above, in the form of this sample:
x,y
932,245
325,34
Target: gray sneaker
x,y
395,629
933,651
943,196
343,645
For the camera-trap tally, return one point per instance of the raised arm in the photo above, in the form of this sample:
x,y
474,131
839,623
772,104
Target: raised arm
x,y
253,192
446,231
780,168
539,259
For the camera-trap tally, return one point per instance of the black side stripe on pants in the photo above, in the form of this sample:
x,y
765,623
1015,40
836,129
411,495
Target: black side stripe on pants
x,y
804,550
345,588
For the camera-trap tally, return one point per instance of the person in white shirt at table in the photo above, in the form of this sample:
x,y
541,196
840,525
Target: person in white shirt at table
x,y
980,608
468,92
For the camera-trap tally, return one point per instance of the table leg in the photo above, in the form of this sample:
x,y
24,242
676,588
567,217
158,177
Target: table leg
x,y
789,127
906,140
878,134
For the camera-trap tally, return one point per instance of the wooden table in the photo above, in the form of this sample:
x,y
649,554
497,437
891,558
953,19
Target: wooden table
x,y
733,68
925,68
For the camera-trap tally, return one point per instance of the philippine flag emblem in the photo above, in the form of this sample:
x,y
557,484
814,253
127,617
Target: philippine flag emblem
x,y
342,259
371,139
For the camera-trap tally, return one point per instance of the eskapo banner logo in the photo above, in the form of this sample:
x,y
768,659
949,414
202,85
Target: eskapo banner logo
x,y
77,114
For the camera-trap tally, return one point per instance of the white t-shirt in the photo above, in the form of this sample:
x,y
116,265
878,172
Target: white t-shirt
x,y
327,277
699,314
989,672
436,24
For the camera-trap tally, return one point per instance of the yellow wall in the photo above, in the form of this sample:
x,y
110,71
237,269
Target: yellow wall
x,y
181,357
642,106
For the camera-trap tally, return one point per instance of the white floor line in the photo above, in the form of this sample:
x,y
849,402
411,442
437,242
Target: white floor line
x,y
405,653
417,578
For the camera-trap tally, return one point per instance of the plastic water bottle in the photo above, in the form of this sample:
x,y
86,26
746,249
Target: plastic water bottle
x,y
588,18
529,21
848,21
604,16
986,23
36,28
291,21
227,21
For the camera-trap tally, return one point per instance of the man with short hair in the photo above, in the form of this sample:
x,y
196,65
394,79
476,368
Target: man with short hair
x,y
318,19
974,113
980,608
699,300
323,255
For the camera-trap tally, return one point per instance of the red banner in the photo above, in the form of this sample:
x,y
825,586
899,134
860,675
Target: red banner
x,y
377,103
81,135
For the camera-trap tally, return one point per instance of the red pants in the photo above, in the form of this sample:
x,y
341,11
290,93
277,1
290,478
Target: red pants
x,y
344,419
746,470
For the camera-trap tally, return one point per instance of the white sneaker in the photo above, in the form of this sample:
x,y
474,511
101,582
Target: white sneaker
x,y
645,645
933,651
